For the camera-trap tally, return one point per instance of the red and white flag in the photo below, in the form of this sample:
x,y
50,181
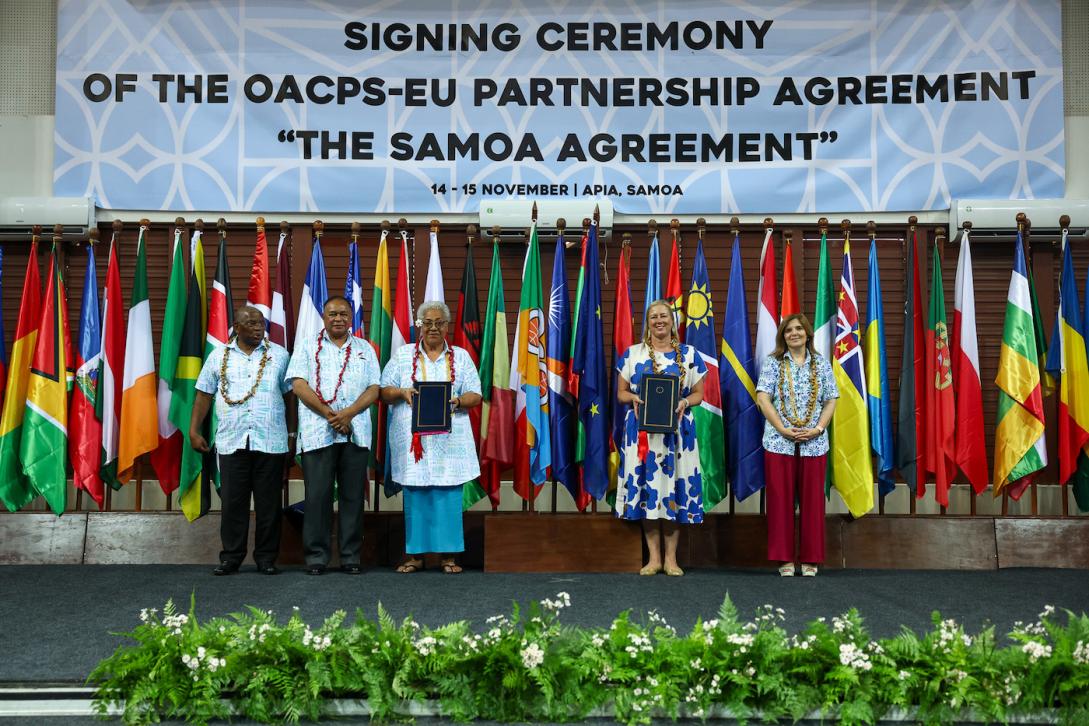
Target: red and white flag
x,y
970,448
281,328
402,303
767,320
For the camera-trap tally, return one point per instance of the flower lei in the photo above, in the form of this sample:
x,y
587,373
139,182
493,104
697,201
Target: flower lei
x,y
417,440
790,406
343,367
256,382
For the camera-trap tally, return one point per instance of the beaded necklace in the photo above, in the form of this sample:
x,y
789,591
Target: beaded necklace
x,y
416,445
256,382
786,392
343,367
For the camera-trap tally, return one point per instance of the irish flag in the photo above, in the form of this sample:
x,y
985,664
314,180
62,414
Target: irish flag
x,y
15,489
45,437
139,409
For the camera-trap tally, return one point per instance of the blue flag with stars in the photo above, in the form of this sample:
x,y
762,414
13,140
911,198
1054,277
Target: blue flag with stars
x,y
560,402
589,363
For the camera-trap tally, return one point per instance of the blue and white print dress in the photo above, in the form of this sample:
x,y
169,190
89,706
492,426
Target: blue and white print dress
x,y
668,485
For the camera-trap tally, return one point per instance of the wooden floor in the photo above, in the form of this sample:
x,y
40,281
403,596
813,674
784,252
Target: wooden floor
x,y
530,542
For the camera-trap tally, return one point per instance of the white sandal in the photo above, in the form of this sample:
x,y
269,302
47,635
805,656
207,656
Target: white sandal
x,y
786,570
809,570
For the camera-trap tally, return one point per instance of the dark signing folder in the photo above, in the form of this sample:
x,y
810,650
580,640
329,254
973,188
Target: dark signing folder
x,y
431,407
660,394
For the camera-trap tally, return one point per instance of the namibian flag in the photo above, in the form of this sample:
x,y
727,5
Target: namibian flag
x,y
700,326
45,438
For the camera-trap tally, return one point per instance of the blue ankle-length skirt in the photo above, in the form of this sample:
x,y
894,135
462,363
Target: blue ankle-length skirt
x,y
433,519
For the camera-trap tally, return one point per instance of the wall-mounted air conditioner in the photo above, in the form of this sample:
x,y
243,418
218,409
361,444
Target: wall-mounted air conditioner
x,y
1000,215
514,215
18,215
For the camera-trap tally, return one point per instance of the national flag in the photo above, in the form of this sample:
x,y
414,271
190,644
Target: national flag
x,y
852,468
434,289
1067,360
353,290
467,336
1047,381
139,410
194,495
15,489
220,328
940,406
971,452
877,379
623,337
767,316
1019,447
3,349
259,295
529,381
497,411
572,375
824,313
381,330
744,422
403,333
654,278
281,328
108,395
166,458
1080,480
589,364
791,303
86,430
910,434
700,325
561,404
314,294
674,292
45,436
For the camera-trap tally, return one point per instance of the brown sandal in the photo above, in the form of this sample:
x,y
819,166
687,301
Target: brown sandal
x,y
449,567
410,566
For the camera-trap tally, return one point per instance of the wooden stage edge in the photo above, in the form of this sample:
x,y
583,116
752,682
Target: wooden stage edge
x,y
529,542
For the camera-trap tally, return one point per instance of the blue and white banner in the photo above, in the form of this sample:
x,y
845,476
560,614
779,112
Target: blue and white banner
x,y
705,106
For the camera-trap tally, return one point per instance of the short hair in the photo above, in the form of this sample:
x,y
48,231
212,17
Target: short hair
x,y
334,298
433,305
246,307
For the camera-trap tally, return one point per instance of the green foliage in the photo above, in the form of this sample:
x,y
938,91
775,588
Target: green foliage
x,y
530,667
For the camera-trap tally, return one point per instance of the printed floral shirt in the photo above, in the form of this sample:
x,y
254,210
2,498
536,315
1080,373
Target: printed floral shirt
x,y
260,421
799,375
361,373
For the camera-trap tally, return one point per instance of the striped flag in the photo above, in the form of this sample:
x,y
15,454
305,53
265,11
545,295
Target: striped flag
x,y
940,406
497,411
194,495
108,395
852,468
572,375
219,330
674,292
708,415
3,343
314,294
139,410
467,336
434,289
877,379
910,418
1079,483
85,439
824,313
593,383
767,317
561,405
1067,361
166,459
791,304
353,290
623,337
1019,447
281,328
403,333
259,294
654,278
381,331
744,422
971,451
529,381
15,490
45,436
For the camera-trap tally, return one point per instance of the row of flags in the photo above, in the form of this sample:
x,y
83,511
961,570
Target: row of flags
x,y
548,411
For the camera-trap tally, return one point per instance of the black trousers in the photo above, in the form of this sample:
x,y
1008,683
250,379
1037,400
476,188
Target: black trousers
x,y
345,464
243,474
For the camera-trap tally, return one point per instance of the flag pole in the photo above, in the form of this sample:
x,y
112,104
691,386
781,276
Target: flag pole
x,y
561,225
909,241
116,228
531,490
967,227
379,471
1064,225
179,226
735,231
939,245
92,240
871,231
1032,271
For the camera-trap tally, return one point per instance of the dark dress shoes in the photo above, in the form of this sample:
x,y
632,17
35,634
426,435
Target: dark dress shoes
x,y
315,569
268,569
225,568
351,569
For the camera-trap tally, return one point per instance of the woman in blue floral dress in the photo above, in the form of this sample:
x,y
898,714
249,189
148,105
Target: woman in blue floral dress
x,y
660,482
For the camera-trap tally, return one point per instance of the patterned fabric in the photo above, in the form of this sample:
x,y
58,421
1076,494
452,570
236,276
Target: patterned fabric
x,y
260,420
769,384
362,373
668,485
449,459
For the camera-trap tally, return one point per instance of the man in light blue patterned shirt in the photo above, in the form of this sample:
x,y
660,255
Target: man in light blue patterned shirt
x,y
335,377
245,379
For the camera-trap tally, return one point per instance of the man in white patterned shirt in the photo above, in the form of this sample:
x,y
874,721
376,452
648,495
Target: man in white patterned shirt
x,y
335,377
245,380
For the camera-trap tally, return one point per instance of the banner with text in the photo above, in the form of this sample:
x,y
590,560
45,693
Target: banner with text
x,y
705,106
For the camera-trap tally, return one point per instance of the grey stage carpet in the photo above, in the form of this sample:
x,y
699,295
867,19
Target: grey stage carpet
x,y
57,620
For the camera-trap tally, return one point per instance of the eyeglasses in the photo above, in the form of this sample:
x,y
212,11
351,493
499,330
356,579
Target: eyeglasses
x,y
433,324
